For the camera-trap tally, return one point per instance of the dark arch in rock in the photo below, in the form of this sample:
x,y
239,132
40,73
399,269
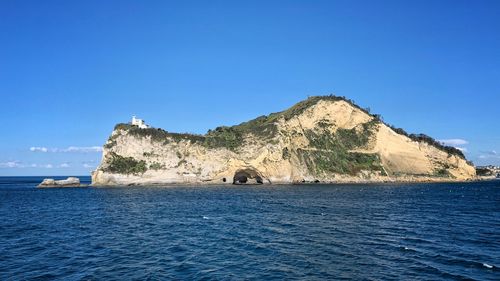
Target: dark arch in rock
x,y
247,176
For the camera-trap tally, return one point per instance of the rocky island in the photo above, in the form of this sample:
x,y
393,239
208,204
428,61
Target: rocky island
x,y
69,182
325,139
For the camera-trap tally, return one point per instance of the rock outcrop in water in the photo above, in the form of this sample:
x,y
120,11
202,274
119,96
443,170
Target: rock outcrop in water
x,y
321,139
69,182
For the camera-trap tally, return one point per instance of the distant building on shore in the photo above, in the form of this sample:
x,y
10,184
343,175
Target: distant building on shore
x,y
490,167
488,171
139,122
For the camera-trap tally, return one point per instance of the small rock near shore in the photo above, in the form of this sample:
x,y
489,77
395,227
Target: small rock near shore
x,y
69,182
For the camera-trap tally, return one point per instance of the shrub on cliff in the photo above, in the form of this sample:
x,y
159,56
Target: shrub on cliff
x,y
429,140
227,137
331,152
125,165
159,135
449,149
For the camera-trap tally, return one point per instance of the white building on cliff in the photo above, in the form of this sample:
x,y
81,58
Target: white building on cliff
x,y
139,123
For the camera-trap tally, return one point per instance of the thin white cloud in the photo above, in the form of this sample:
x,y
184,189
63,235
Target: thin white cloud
x,y
70,149
39,149
492,154
11,164
463,149
454,142
19,164
64,165
85,165
84,149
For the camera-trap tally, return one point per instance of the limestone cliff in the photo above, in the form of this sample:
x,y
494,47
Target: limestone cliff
x,y
321,139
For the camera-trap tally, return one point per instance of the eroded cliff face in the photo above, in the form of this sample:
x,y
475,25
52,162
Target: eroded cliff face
x,y
325,139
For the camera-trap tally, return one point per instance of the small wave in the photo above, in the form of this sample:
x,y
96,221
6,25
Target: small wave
x,y
488,266
206,218
275,229
408,249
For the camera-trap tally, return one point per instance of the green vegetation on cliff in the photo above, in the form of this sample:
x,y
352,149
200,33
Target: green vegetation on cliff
x,y
125,165
157,135
222,137
339,162
331,152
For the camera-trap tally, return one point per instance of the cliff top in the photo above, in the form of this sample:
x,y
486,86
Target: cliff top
x,y
265,128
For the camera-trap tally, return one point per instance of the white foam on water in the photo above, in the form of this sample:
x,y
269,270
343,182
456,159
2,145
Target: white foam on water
x,y
487,266
206,218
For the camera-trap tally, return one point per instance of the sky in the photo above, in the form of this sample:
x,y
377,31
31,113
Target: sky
x,y
71,70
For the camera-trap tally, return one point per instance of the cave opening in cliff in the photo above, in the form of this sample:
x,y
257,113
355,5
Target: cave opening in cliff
x,y
247,176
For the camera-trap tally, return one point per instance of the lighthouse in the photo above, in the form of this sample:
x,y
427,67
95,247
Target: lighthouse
x,y
139,122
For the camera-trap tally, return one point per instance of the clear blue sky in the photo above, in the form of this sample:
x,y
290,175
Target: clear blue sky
x,y
71,70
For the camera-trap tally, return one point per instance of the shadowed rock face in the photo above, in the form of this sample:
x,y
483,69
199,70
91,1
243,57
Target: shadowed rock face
x,y
325,139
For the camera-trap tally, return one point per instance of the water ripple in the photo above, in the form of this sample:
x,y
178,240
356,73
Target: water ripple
x,y
342,232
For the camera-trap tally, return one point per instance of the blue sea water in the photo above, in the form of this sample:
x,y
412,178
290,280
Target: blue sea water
x,y
313,232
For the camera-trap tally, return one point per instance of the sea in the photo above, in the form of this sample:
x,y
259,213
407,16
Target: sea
x,y
285,232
